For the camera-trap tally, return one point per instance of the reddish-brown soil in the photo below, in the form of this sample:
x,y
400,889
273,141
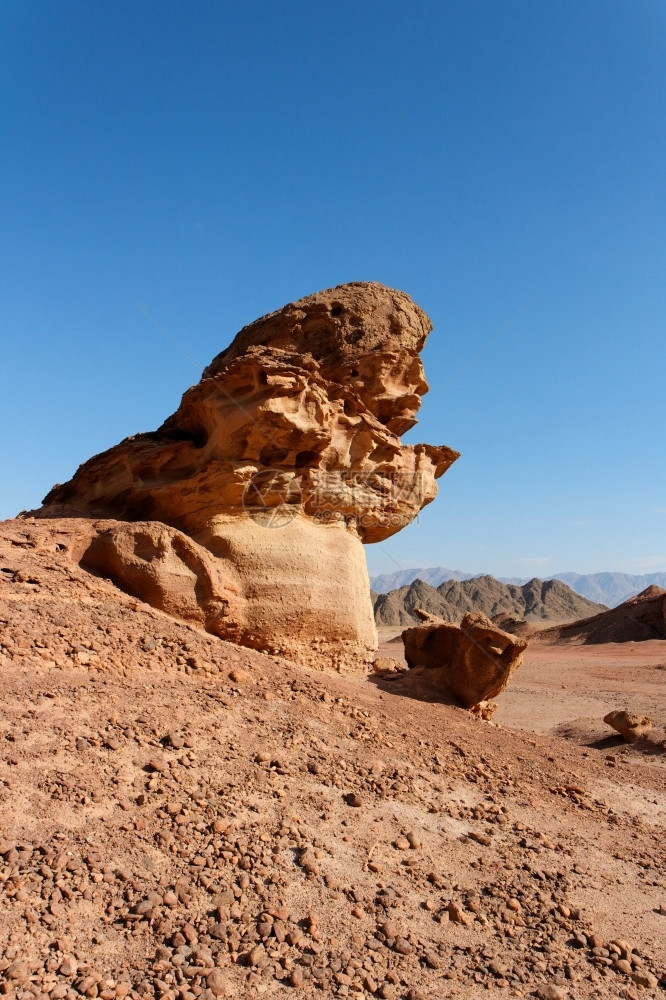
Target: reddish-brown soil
x,y
183,818
560,687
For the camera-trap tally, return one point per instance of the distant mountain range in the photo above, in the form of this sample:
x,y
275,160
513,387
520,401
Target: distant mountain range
x,y
534,601
610,589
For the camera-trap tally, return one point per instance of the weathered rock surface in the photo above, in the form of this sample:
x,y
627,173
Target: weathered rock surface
x,y
473,662
170,571
630,727
294,426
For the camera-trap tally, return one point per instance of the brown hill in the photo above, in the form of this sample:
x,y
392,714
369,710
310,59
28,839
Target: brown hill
x,y
535,601
397,607
641,617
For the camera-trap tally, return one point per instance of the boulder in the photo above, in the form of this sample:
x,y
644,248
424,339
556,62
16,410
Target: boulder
x,y
248,508
472,662
385,666
630,727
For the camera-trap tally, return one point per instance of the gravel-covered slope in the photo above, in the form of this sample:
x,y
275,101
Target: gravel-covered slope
x,y
184,818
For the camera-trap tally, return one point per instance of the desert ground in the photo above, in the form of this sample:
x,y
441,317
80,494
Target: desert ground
x,y
566,690
184,818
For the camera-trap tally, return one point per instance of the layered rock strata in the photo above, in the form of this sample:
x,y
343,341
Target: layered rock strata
x,y
255,496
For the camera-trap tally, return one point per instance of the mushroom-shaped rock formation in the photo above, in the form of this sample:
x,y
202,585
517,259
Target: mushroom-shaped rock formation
x,y
472,662
279,464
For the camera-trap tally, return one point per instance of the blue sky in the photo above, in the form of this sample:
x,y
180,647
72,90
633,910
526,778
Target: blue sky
x,y
214,160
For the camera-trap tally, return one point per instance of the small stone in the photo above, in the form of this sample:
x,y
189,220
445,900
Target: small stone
x,y
357,912
216,982
402,844
622,965
296,977
402,946
157,765
644,978
514,905
457,914
624,946
256,954
239,676
354,800
307,862
387,991
68,966
384,665
17,970
551,992
414,841
189,933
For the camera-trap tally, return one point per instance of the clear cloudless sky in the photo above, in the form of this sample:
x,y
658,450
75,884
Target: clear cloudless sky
x,y
214,160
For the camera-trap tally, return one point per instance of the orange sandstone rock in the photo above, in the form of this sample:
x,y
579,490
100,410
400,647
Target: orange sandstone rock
x,y
295,426
630,727
473,662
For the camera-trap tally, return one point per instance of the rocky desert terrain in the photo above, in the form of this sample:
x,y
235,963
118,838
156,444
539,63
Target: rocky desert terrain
x,y
210,787
183,817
